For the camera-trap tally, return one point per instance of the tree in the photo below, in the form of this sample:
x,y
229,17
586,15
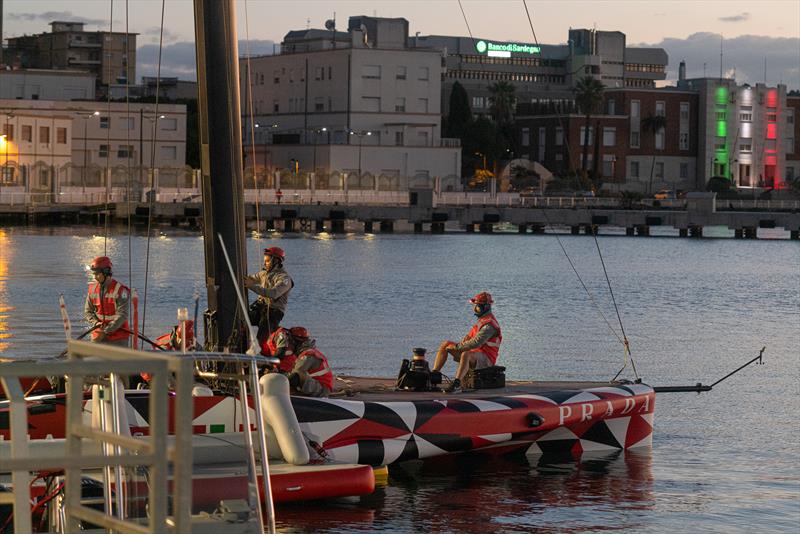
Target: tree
x,y
588,96
460,115
502,101
654,124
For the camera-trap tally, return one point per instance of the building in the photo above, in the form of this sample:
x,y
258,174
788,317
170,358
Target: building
x,y
793,136
77,144
621,147
744,132
362,104
110,56
37,84
167,88
543,73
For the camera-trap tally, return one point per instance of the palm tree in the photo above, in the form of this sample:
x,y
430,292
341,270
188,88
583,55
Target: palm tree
x,y
654,124
588,96
502,101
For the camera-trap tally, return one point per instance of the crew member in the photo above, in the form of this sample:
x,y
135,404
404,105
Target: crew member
x,y
106,306
272,284
280,344
173,340
479,348
311,375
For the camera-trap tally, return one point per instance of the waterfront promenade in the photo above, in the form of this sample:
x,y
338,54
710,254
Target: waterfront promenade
x,y
423,209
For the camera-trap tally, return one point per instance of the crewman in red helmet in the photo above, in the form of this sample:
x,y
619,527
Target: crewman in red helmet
x,y
479,348
106,306
272,284
311,375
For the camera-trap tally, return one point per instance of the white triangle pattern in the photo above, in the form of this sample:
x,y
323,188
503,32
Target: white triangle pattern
x,y
487,406
322,431
347,454
535,397
496,438
589,446
355,407
407,411
583,396
426,448
561,432
619,428
613,391
393,448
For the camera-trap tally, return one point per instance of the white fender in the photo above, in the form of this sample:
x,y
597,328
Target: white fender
x,y
279,415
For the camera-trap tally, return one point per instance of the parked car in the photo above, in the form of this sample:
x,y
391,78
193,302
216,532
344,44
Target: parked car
x,y
664,194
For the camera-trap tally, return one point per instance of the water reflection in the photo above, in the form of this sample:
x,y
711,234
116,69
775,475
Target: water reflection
x,y
6,253
475,493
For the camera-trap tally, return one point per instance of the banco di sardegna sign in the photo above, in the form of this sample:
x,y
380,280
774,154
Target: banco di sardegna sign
x,y
505,49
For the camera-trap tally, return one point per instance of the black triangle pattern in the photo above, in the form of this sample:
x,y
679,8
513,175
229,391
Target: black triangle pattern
x,y
555,446
312,410
448,442
559,396
600,433
379,413
462,406
426,410
410,451
141,404
371,452
507,401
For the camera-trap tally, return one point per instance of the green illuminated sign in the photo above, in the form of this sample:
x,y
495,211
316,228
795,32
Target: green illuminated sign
x,y
484,47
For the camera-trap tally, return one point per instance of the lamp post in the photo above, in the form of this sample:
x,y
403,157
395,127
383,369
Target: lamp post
x,y
360,134
85,116
153,139
317,131
268,128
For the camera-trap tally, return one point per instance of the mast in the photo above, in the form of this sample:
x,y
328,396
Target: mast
x,y
221,164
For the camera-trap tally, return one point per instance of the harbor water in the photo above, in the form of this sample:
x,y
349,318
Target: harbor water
x,y
694,310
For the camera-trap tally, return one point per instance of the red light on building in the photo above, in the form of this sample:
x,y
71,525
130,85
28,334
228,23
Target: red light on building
x,y
772,98
772,130
771,160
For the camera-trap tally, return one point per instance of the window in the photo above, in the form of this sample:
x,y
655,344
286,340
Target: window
x,y
542,138
772,117
398,138
126,123
660,136
478,102
319,103
634,139
790,145
276,76
790,119
526,137
746,147
423,138
684,170
660,108
371,103
559,136
44,135
103,153
684,141
401,73
721,115
612,107
61,136
371,72
276,108
583,140
27,133
684,111
169,124
609,137
422,104
400,105
8,131
423,73
634,108
330,73
609,165
125,151
168,152
104,123
319,73
660,169
746,117
634,169
789,174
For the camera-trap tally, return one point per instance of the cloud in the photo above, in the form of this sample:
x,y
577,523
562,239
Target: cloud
x,y
50,16
153,33
741,17
179,59
745,54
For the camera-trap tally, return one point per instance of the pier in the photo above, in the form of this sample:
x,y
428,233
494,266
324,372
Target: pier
x,y
424,210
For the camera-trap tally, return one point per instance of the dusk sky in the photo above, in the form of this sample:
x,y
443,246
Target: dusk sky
x,y
686,29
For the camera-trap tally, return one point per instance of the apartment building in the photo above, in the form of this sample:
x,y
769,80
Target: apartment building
x,y
365,100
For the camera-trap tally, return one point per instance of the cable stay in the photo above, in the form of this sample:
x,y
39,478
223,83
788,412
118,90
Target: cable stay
x,y
251,113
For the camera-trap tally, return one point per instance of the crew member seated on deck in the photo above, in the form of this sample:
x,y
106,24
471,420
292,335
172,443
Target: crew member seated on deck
x,y
479,348
280,344
106,306
311,374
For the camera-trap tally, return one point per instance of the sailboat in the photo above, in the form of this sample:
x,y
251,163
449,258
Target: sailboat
x,y
329,446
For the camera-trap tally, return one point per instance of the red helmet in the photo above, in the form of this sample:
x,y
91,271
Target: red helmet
x,y
101,264
275,252
299,332
482,298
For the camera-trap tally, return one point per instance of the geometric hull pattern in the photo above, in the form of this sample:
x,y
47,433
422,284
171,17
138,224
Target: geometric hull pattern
x,y
383,432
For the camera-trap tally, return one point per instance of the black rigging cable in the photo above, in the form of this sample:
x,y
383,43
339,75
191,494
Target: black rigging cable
x,y
108,141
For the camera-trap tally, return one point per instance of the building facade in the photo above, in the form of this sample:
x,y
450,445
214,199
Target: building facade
x,y
36,84
80,143
543,73
793,137
110,56
357,102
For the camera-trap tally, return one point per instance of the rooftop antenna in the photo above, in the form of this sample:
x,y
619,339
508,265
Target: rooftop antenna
x,y
308,24
330,24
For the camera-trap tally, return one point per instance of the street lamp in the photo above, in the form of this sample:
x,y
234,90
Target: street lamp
x,y
360,135
268,128
317,131
153,138
85,116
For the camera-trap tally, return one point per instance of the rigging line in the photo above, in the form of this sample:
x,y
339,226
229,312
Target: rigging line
x,y
465,20
614,300
588,292
151,200
252,118
524,3
128,145
107,58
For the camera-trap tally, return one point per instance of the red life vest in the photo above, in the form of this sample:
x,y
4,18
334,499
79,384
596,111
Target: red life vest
x,y
105,309
322,372
269,347
492,346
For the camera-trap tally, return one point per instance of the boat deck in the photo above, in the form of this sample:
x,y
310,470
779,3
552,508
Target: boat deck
x,y
369,388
